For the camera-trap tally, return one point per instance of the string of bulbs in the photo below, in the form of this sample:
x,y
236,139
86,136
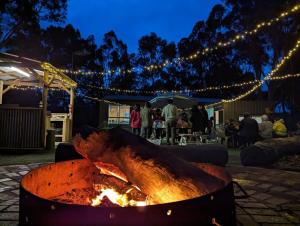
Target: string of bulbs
x,y
235,39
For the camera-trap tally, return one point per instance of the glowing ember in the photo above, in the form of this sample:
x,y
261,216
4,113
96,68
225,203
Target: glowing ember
x,y
116,198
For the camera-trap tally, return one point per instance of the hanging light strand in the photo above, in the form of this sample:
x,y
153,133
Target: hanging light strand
x,y
101,100
25,88
241,36
269,76
211,88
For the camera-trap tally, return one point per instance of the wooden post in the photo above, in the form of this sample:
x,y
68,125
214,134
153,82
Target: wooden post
x,y
45,104
1,91
71,110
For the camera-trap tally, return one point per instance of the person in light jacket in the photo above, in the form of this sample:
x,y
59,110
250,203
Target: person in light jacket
x,y
146,118
265,128
169,112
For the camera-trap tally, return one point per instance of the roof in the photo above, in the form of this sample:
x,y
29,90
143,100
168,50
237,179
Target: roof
x,y
149,98
127,98
22,71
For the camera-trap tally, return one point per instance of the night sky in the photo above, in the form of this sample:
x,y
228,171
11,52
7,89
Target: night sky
x,y
131,19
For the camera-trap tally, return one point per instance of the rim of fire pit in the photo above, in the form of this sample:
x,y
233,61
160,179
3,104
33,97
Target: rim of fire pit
x,y
203,210
84,160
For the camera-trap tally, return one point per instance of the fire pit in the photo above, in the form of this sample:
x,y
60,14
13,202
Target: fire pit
x,y
64,194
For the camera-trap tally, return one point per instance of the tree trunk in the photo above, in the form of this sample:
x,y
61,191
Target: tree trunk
x,y
162,176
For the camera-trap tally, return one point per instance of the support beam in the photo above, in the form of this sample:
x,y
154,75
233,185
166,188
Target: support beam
x,y
1,91
45,104
71,111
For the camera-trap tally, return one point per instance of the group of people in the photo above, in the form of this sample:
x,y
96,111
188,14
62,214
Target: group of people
x,y
249,130
145,121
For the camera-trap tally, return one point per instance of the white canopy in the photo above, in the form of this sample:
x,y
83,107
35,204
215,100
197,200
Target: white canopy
x,y
180,101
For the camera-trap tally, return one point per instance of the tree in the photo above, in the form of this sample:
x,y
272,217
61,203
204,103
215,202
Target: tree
x,y
18,16
270,45
113,57
154,50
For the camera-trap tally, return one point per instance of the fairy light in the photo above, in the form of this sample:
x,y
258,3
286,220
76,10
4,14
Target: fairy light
x,y
236,38
25,88
101,100
269,76
211,88
283,77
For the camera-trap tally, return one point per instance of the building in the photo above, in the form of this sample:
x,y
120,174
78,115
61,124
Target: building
x,y
118,112
23,127
235,110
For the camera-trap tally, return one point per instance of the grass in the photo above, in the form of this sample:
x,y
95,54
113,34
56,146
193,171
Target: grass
x,y
48,156
234,156
26,158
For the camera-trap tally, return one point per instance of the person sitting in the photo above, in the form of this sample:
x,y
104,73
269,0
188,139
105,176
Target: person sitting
x,y
297,128
211,128
157,123
183,123
231,131
248,131
279,128
265,128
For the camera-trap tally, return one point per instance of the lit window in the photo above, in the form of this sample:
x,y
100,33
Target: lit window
x,y
118,114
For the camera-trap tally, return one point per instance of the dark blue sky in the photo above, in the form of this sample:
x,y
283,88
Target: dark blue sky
x,y
131,19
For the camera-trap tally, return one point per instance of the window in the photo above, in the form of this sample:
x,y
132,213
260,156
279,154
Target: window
x,y
118,114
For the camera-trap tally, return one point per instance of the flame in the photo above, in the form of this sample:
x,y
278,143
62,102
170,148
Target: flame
x,y
116,198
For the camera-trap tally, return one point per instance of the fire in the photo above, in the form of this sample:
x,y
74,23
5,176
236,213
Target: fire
x,y
116,198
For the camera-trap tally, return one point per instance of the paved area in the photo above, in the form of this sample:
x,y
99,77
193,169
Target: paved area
x,y
274,195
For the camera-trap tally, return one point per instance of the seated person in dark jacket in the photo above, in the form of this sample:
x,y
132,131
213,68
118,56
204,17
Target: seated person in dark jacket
x,y
248,130
231,131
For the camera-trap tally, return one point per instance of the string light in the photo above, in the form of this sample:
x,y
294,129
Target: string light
x,y
211,88
58,75
235,39
269,76
101,100
274,78
25,88
283,77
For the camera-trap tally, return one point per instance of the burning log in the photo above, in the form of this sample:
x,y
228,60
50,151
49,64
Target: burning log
x,y
162,176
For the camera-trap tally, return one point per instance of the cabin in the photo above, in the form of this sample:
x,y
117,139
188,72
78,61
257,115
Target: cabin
x,y
235,110
26,127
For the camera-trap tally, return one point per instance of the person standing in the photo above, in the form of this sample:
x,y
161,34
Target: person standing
x,y
195,119
204,118
135,120
146,118
169,112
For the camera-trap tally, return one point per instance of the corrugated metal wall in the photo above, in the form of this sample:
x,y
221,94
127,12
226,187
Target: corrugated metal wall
x,y
233,110
20,128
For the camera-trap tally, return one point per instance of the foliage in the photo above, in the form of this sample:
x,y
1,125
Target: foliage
x,y
252,58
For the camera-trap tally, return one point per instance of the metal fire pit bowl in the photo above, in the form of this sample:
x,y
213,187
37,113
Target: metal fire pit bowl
x,y
39,185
